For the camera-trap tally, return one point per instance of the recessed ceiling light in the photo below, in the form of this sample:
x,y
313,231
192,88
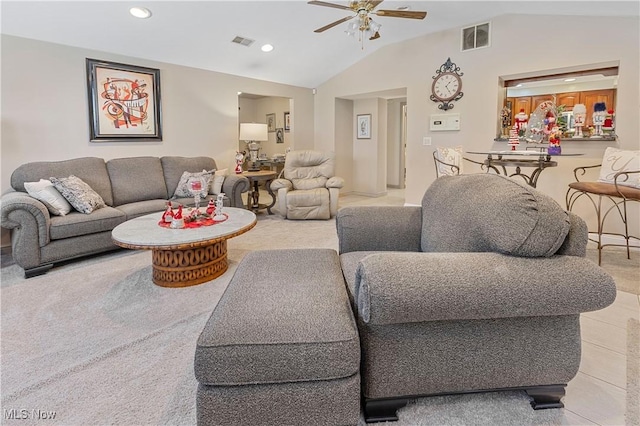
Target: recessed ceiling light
x,y
267,48
140,12
569,79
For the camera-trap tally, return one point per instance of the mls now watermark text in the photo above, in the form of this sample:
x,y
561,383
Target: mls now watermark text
x,y
26,414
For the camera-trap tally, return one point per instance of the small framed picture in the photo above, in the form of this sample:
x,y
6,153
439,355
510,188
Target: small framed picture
x,y
271,122
279,135
287,124
124,102
364,126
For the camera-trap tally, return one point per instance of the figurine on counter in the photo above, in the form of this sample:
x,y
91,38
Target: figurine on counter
x,y
521,121
579,117
505,116
514,141
609,122
599,114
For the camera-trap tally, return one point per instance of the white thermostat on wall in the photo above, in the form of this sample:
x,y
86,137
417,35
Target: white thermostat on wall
x,y
442,122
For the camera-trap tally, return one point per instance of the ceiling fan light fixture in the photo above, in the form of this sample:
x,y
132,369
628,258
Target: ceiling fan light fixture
x,y
140,12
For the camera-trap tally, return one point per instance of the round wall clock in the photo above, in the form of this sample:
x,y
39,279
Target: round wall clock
x,y
447,85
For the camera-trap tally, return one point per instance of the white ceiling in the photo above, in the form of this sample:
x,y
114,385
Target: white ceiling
x,y
199,33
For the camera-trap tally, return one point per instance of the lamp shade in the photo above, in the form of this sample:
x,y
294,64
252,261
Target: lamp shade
x,y
253,132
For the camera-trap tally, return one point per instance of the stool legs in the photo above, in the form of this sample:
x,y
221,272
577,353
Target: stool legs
x,y
618,204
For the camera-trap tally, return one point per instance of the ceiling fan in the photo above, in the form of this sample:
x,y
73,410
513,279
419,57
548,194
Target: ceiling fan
x,y
362,10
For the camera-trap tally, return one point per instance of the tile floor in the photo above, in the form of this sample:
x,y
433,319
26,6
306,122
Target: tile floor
x,y
598,394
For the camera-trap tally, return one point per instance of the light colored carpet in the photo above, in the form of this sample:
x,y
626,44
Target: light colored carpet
x,y
614,261
98,343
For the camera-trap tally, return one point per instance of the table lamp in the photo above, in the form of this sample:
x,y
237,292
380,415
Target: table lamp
x,y
252,134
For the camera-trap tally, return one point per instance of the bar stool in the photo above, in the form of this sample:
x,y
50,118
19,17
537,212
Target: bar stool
x,y
618,194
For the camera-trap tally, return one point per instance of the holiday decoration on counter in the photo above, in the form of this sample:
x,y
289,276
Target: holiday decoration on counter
x,y
541,122
505,117
521,121
554,141
579,117
599,114
609,122
514,141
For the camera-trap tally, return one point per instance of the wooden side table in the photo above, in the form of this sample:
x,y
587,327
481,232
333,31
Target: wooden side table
x,y
253,199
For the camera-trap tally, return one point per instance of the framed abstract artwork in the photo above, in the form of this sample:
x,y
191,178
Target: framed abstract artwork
x,y
364,126
279,135
124,102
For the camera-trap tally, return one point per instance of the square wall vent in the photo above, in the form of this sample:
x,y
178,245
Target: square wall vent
x,y
476,37
243,41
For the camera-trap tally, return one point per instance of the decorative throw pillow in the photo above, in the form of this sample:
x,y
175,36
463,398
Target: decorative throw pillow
x,y
182,189
617,160
450,156
44,191
218,180
78,193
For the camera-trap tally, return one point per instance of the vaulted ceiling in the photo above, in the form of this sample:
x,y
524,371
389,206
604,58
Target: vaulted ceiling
x,y
199,33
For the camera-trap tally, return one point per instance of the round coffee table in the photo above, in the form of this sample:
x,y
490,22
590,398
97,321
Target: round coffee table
x,y
184,257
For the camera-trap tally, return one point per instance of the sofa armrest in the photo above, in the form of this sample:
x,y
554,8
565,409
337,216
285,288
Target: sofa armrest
x,y
279,183
575,243
396,287
19,210
233,186
379,228
335,182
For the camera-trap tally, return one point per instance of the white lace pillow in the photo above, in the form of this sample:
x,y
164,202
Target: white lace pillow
x,y
450,156
78,193
218,180
182,189
617,160
44,191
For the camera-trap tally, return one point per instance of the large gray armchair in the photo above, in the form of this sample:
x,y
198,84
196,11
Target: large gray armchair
x,y
309,189
479,288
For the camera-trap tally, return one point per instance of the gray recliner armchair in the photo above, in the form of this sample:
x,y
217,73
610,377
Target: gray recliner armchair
x,y
479,288
309,189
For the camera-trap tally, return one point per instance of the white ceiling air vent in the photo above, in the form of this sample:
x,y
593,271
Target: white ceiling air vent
x,y
243,41
476,37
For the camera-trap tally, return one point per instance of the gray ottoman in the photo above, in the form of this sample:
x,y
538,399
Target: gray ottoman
x,y
281,346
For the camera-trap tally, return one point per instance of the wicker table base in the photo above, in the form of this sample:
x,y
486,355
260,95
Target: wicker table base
x,y
183,267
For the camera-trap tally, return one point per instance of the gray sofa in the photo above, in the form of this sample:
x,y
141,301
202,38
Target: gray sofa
x,y
479,288
130,187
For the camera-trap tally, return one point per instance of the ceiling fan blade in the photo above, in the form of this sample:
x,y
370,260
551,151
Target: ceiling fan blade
x,y
375,3
324,3
401,14
333,24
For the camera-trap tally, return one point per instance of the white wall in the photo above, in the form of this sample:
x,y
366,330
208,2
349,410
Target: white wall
x,y
256,110
45,112
395,150
519,44
370,155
